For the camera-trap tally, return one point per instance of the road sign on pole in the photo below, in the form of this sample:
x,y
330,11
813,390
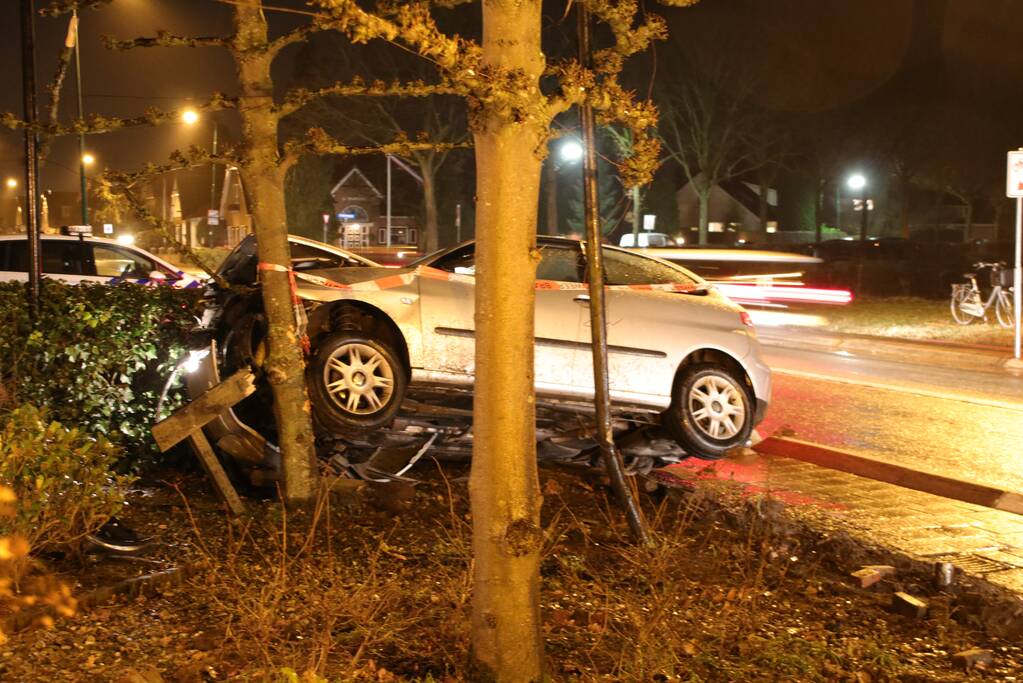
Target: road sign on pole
x,y
1014,188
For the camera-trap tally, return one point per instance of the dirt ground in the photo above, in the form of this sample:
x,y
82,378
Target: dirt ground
x,y
376,587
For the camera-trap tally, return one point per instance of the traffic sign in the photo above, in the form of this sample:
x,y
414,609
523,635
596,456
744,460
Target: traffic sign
x,y
213,217
1014,174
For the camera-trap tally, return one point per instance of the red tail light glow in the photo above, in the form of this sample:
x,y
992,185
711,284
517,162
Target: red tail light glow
x,y
752,293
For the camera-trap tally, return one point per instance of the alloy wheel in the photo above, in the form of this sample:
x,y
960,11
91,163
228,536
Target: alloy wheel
x,y
716,406
359,379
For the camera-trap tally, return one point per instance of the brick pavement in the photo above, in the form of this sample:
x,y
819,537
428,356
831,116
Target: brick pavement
x,y
978,540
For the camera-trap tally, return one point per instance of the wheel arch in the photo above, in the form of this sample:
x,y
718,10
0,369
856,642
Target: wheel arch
x,y
334,316
710,354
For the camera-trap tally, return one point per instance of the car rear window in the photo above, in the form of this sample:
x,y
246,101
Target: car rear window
x,y
623,268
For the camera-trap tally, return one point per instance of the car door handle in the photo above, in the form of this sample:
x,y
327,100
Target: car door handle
x,y
582,299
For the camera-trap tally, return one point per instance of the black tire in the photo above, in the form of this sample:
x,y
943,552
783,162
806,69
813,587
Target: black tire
x,y
364,400
724,424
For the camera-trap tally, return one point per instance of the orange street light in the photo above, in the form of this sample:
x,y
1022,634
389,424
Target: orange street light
x,y
12,183
88,159
190,117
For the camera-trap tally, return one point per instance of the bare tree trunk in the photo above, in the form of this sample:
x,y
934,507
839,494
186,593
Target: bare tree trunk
x,y
703,198
264,178
431,238
504,491
552,198
762,207
818,212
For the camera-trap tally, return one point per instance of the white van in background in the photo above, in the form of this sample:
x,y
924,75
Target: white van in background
x,y
646,239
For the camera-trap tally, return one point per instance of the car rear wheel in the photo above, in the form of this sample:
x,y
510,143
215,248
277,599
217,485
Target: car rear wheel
x,y
356,382
711,411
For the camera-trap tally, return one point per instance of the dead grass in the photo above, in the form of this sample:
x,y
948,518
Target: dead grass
x,y
353,593
910,319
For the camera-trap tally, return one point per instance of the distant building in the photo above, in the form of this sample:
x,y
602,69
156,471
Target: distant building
x,y
360,220
733,212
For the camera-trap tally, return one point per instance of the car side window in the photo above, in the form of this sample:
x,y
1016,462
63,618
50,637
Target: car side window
x,y
623,268
461,261
116,262
560,263
60,257
305,257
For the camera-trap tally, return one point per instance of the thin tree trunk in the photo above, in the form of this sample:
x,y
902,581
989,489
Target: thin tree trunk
x,y
431,238
762,208
504,492
703,197
552,198
264,178
818,212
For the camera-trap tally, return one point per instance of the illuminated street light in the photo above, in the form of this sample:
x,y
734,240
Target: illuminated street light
x,y
190,117
12,183
571,150
857,181
88,159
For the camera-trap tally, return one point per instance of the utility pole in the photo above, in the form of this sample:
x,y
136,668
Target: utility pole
x,y
213,193
598,313
28,80
73,29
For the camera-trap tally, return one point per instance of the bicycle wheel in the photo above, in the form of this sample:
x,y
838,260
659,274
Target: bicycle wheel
x,y
962,294
1004,309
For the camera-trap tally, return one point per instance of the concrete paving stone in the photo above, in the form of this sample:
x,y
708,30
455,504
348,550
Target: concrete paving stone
x,y
998,522
944,545
1014,560
1012,579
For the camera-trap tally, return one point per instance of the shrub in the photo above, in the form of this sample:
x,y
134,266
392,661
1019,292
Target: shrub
x,y
61,477
98,355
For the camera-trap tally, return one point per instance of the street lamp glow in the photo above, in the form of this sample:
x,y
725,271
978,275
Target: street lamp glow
x,y
190,117
857,181
571,150
12,183
88,159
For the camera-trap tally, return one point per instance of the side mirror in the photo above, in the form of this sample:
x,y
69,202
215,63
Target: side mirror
x,y
157,275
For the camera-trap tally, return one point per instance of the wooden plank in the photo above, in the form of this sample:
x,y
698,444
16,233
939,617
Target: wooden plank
x,y
192,417
204,451
878,470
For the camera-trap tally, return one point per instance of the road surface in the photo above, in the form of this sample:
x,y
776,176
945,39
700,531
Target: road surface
x,y
965,423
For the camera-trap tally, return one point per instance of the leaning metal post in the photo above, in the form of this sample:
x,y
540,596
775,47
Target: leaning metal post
x,y
598,320
28,63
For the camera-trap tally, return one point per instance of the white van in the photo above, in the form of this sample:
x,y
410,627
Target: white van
x,y
646,239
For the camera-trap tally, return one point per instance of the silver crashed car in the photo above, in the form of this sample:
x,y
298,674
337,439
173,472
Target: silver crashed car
x,y
683,359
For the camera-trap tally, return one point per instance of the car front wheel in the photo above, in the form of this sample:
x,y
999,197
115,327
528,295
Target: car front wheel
x,y
711,411
356,383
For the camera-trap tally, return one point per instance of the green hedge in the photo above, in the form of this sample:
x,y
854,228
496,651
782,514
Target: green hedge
x,y
61,478
97,356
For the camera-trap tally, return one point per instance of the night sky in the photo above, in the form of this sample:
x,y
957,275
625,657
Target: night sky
x,y
817,56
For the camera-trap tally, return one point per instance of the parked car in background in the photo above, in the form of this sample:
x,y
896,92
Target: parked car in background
x,y
89,259
645,239
681,354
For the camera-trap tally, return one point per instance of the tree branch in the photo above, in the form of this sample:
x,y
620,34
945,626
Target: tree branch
x,y
96,124
299,98
166,39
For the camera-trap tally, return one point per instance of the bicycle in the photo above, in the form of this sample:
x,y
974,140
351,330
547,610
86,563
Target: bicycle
x,y
968,305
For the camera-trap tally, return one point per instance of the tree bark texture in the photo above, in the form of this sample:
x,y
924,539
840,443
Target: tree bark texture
x,y
264,179
503,486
